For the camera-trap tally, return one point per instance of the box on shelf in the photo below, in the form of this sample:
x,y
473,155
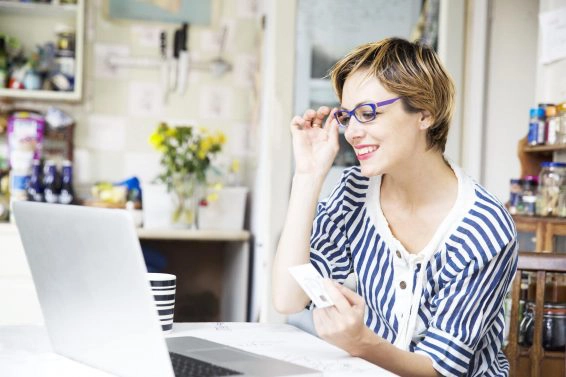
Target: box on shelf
x,y
157,207
226,213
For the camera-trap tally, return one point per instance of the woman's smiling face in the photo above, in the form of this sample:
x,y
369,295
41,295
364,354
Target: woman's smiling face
x,y
392,138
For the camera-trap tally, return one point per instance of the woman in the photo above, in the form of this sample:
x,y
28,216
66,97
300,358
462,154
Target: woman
x,y
432,252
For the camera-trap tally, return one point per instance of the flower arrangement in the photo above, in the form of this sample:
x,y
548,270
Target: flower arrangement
x,y
186,150
187,153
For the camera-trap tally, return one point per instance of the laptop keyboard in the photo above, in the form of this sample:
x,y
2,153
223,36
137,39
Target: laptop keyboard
x,y
185,366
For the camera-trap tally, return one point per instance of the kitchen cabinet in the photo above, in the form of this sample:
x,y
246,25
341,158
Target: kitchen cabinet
x,y
538,235
35,23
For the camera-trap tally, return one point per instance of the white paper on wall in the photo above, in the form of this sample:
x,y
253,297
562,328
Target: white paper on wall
x,y
211,40
245,69
145,99
238,136
146,36
106,133
215,102
553,35
248,8
145,166
82,169
103,69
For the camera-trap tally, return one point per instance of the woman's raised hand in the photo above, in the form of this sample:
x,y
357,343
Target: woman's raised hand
x,y
315,146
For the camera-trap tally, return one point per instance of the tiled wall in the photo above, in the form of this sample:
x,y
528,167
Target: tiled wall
x,y
114,120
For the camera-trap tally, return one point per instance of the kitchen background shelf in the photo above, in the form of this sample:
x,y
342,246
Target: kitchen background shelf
x,y
44,17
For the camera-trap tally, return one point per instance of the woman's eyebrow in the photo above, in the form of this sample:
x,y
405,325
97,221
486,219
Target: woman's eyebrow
x,y
358,104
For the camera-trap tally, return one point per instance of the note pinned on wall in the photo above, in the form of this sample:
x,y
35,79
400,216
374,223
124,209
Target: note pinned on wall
x,y
102,53
216,102
553,35
145,99
146,36
106,133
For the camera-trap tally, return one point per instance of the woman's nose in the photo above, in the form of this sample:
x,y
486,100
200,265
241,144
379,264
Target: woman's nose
x,y
354,130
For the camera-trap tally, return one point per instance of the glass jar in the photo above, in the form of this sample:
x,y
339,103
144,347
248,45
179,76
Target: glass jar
x,y
552,189
528,205
553,327
515,194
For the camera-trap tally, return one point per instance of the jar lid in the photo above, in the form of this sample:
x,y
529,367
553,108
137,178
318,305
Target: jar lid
x,y
553,164
531,180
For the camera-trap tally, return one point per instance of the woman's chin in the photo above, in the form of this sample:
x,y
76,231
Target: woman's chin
x,y
370,170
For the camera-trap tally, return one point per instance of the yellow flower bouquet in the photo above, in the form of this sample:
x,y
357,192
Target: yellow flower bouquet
x,y
187,153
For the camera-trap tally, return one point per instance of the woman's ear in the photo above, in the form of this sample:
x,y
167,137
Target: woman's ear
x,y
425,121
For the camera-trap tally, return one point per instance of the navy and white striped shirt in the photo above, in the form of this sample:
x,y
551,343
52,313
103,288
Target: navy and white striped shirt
x,y
452,309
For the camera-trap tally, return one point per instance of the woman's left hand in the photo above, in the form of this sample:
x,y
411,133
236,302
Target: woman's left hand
x,y
341,324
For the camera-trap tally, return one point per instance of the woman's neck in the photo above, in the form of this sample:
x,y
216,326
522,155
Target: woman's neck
x,y
420,182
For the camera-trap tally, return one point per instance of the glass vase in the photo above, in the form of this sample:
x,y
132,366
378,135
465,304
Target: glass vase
x,y
187,192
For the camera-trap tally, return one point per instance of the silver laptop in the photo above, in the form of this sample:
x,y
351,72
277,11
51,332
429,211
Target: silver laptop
x,y
89,274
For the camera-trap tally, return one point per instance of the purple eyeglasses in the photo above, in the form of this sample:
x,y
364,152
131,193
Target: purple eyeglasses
x,y
364,112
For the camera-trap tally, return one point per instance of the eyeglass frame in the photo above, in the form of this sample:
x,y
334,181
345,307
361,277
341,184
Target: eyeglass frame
x,y
373,105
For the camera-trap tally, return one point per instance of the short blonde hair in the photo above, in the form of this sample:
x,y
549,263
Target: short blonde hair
x,y
411,70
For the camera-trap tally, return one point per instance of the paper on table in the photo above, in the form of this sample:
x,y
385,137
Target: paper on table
x,y
553,35
285,342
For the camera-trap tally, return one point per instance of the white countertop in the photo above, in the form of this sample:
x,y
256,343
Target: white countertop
x,y
25,350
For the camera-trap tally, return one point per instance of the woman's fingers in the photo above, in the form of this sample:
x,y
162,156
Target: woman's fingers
x,y
322,113
297,123
309,116
313,119
350,295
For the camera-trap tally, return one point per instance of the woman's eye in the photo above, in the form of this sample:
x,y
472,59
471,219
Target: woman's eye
x,y
367,115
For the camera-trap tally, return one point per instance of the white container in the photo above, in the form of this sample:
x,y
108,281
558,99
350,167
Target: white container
x,y
226,213
157,206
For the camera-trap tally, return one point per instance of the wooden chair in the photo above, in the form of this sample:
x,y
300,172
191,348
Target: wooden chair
x,y
541,263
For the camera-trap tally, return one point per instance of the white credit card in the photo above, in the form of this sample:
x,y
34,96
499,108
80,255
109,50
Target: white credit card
x,y
312,283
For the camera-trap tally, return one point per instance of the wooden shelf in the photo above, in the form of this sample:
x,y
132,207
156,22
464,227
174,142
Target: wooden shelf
x,y
35,9
545,148
525,351
537,219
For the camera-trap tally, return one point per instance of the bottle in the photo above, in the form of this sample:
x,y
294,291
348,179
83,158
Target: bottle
x,y
67,194
561,115
552,124
35,187
529,197
532,137
541,123
3,63
515,194
50,182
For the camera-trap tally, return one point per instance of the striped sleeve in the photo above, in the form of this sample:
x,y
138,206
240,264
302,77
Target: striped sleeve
x,y
330,251
467,307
